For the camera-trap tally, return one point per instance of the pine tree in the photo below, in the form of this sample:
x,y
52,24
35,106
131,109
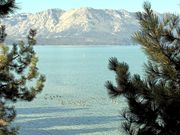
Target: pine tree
x,y
153,101
19,76
7,7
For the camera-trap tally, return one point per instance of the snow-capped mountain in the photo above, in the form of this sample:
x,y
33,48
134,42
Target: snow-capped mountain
x,y
75,26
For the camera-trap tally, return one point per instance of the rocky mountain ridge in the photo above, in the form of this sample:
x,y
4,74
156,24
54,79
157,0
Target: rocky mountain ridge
x,y
84,26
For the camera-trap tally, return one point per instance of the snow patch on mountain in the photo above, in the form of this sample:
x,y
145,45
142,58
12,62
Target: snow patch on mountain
x,y
75,26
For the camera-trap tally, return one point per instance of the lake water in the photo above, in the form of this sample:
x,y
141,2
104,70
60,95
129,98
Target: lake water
x,y
75,80
82,71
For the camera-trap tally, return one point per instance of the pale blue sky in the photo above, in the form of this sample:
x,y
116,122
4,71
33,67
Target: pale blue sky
x,y
130,5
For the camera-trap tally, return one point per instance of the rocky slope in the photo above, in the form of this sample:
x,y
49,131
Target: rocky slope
x,y
75,26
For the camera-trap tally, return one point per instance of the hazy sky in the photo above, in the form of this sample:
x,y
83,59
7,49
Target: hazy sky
x,y
130,5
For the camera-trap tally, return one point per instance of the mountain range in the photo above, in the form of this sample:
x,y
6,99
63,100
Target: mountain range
x,y
80,26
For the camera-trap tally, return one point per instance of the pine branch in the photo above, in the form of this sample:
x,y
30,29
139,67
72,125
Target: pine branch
x,y
7,7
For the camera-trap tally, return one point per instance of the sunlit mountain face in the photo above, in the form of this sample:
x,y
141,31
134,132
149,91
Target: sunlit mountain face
x,y
75,26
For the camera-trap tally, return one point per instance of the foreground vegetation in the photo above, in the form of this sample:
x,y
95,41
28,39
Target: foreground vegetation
x,y
18,67
154,100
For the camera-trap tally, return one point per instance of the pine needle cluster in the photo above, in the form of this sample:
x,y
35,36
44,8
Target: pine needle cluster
x,y
20,79
154,100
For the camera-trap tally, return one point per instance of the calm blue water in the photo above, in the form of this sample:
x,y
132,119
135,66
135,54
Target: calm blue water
x,y
83,70
74,99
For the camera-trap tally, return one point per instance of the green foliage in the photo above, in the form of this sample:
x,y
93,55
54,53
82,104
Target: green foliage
x,y
7,115
19,76
153,101
18,69
7,7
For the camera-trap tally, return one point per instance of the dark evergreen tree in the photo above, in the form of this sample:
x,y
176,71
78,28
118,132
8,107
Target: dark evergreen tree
x,y
153,101
19,76
7,7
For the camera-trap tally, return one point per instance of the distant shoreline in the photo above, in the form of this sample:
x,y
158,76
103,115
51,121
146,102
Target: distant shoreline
x,y
83,45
